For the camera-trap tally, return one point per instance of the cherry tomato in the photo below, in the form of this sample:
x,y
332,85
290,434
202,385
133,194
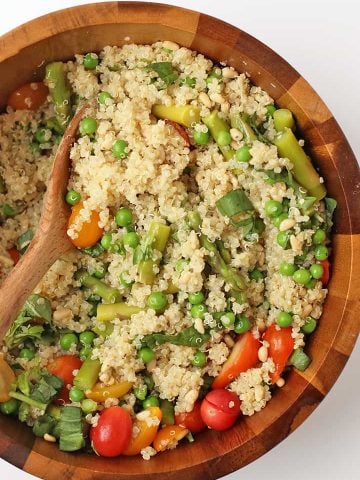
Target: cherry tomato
x,y
191,420
14,254
90,232
220,409
281,345
7,377
112,434
63,367
326,274
180,130
29,96
169,437
145,432
244,355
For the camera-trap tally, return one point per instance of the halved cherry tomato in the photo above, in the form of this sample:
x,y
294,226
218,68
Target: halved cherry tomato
x,y
63,367
112,434
281,345
180,130
191,420
220,409
7,377
14,254
169,437
244,355
90,232
146,431
29,96
99,392
326,274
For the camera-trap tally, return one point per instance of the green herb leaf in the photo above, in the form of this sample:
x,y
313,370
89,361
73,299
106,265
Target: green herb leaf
x,y
23,241
331,205
233,203
189,337
71,429
165,71
38,307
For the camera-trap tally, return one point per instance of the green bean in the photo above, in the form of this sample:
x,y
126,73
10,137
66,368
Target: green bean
x,y
303,170
60,93
186,115
217,127
109,294
240,122
283,118
108,311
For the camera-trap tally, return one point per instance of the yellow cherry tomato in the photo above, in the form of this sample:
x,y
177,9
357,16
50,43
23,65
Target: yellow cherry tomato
x,y
169,436
146,430
100,393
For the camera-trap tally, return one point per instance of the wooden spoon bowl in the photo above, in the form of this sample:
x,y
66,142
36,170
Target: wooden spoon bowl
x,y
58,36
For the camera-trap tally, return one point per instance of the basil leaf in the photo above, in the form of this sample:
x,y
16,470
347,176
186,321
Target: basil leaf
x,y
165,71
39,307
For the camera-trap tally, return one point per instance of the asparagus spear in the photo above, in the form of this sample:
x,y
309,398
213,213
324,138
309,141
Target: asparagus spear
x,y
186,115
240,122
109,294
55,79
218,127
109,311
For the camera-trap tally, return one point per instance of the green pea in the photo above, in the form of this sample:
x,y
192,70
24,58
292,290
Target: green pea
x,y
125,279
10,406
198,311
228,319
88,126
88,406
103,96
302,276
106,241
273,208
277,220
150,401
316,270
199,359
321,252
85,352
157,301
131,239
309,325
76,394
201,138
311,283
284,319
216,73
319,237
141,392
243,154
72,197
43,135
196,298
283,239
224,138
87,337
146,355
189,81
120,148
91,61
68,340
270,110
26,353
181,264
287,269
256,275
242,324
123,217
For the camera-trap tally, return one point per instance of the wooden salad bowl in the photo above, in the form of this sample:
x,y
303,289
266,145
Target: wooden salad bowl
x,y
58,36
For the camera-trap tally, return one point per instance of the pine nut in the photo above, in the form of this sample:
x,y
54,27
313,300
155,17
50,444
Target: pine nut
x,y
229,72
49,438
199,325
204,99
263,354
170,45
236,134
295,244
217,98
280,383
62,314
229,341
286,224
261,326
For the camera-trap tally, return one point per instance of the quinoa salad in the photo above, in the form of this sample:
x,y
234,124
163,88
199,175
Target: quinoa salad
x,y
201,234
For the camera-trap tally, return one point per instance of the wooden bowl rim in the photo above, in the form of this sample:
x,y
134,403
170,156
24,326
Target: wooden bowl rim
x,y
31,33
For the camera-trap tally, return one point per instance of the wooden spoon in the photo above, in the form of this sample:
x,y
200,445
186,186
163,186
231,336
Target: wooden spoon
x,y
50,240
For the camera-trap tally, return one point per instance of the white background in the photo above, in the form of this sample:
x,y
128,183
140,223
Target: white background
x,y
320,38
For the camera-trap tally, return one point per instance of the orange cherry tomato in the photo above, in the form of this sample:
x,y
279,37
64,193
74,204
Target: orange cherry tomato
x,y
63,367
14,254
220,409
7,377
326,274
90,232
243,356
281,345
169,437
145,433
191,420
29,96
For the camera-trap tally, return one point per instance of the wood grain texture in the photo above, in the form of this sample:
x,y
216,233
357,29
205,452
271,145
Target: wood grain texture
x,y
88,28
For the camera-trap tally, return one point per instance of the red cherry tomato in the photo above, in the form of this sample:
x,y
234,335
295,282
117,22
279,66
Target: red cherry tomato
x,y
326,274
180,130
29,96
243,356
220,409
191,420
112,434
281,344
63,367
14,254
